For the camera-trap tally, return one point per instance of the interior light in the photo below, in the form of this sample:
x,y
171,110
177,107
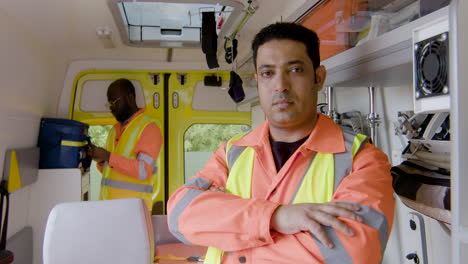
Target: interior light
x,y
104,35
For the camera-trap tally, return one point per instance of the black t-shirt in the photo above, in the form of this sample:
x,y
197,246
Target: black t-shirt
x,y
283,150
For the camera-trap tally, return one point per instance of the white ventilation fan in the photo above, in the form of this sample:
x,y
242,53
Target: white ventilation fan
x,y
431,91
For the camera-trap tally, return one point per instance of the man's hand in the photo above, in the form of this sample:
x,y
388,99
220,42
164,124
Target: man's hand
x,y
98,154
291,219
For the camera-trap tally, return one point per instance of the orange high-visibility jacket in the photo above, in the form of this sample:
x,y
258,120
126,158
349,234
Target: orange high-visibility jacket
x,y
138,165
241,226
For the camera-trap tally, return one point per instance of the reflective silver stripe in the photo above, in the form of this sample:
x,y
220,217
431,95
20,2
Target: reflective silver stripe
x,y
141,170
184,202
198,182
149,160
376,220
234,151
136,187
337,254
303,177
344,161
348,139
146,158
233,154
178,210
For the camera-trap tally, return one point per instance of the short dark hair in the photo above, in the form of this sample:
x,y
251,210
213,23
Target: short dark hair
x,y
289,31
124,85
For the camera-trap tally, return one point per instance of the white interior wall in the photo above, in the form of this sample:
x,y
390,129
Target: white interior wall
x,y
258,116
458,78
31,79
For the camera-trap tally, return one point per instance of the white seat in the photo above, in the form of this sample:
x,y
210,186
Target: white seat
x,y
99,232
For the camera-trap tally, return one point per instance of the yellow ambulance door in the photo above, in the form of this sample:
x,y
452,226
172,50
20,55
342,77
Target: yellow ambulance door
x,y
194,117
199,118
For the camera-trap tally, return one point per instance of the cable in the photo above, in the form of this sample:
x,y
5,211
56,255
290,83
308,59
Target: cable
x,y
353,122
322,108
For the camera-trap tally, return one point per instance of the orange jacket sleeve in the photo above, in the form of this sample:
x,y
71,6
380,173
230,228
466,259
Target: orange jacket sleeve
x,y
100,166
369,185
149,144
240,223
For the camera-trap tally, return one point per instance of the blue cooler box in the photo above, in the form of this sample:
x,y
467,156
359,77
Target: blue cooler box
x,y
62,143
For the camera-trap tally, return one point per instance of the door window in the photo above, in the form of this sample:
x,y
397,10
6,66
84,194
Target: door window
x,y
98,134
201,140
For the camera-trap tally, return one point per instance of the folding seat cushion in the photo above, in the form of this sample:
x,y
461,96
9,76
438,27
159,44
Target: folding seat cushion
x,y
99,232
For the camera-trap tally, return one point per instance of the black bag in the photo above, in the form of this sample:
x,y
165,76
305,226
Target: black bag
x,y
236,91
423,183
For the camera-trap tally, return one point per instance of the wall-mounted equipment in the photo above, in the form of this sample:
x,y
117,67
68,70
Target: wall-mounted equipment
x,y
431,66
172,23
104,34
428,135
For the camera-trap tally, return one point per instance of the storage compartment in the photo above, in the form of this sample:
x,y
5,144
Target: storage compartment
x,y
343,24
62,143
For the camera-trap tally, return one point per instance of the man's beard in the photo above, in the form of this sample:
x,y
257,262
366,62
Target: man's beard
x,y
124,115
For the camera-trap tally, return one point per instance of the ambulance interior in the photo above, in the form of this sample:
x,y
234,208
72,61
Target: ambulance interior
x,y
395,70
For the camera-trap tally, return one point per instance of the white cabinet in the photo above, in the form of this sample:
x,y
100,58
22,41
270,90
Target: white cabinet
x,y
459,119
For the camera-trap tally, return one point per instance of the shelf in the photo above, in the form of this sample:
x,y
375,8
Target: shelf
x,y
381,62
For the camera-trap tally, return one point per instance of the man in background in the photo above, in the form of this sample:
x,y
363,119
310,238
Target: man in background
x,y
128,163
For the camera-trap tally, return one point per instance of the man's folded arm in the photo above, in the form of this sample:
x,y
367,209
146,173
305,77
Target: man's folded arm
x,y
198,215
369,186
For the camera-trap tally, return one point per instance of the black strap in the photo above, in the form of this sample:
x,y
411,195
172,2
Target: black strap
x,y
209,39
230,52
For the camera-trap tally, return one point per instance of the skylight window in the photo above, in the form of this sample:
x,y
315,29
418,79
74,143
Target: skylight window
x,y
169,23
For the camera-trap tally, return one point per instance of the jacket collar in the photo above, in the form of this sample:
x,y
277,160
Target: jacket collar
x,y
326,137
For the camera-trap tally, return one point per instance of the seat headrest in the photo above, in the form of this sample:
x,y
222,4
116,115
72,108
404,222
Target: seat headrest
x,y
99,232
